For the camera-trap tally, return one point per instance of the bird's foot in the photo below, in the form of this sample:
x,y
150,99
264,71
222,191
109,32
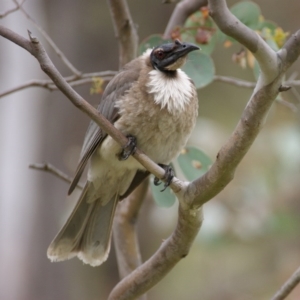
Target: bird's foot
x,y
129,148
168,177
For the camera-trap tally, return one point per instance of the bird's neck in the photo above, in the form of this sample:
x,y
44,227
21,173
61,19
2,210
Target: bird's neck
x,y
171,90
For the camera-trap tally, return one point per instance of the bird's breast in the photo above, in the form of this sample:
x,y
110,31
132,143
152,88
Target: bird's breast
x,y
161,133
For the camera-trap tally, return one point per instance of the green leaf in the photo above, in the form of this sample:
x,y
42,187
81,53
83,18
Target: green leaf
x,y
195,27
267,24
200,67
193,162
162,199
151,42
248,13
268,36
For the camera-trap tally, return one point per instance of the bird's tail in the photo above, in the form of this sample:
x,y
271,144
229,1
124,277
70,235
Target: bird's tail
x,y
87,232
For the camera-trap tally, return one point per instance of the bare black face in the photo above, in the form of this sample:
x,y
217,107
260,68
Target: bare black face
x,y
166,55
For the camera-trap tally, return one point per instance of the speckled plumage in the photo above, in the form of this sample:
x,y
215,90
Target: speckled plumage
x,y
160,111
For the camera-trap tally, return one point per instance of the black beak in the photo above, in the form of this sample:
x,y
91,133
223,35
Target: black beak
x,y
167,54
182,49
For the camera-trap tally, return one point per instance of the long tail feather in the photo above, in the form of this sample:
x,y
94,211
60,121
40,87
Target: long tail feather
x,y
87,232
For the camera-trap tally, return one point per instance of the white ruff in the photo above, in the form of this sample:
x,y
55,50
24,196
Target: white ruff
x,y
172,93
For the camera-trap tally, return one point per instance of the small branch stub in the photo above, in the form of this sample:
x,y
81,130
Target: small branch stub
x,y
284,88
32,38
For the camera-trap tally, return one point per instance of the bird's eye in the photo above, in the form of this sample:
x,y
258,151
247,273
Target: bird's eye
x,y
160,54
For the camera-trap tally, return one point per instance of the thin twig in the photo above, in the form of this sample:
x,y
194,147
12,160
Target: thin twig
x,y
9,11
292,82
287,104
235,81
249,84
49,85
51,42
53,170
288,286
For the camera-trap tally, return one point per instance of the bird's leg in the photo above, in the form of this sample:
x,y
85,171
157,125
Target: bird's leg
x,y
168,177
129,148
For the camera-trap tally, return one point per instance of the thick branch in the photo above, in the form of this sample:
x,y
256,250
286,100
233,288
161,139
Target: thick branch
x,y
231,26
125,30
230,155
125,238
181,12
166,257
267,88
290,51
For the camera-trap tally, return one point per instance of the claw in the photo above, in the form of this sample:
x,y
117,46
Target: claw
x,y
129,148
168,177
156,181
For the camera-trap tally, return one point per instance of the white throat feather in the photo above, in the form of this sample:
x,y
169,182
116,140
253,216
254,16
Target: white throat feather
x,y
174,93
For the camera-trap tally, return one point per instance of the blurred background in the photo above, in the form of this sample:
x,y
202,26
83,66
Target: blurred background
x,y
249,243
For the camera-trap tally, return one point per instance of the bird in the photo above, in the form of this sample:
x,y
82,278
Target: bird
x,y
153,102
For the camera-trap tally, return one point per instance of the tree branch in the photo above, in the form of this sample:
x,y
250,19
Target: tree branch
x,y
288,286
265,92
125,238
231,26
53,170
59,53
72,80
290,51
181,12
9,11
125,30
16,38
166,257
235,81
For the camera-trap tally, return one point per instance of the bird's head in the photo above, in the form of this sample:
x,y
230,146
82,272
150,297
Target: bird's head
x,y
171,56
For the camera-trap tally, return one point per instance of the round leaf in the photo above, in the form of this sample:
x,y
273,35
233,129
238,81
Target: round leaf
x,y
193,163
247,12
267,24
162,199
151,42
200,67
202,31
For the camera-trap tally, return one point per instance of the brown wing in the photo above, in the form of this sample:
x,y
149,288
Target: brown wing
x,y
137,180
94,136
